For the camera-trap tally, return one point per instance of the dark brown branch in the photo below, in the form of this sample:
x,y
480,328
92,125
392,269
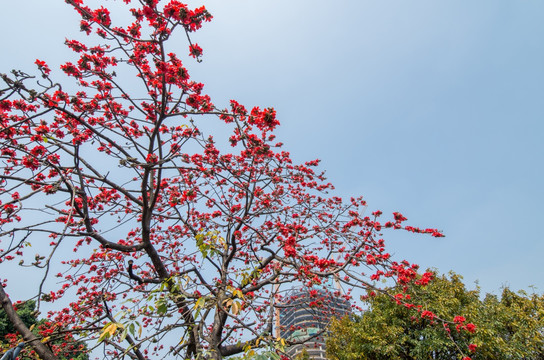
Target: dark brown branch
x,y
131,273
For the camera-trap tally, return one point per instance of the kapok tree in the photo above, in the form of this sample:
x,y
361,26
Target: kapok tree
x,y
154,236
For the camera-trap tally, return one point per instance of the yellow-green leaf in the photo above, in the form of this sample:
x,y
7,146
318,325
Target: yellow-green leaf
x,y
236,307
238,293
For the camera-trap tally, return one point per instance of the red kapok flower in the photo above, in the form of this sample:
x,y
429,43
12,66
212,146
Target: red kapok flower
x,y
42,66
459,319
195,50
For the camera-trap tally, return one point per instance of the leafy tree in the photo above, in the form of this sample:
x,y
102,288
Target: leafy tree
x,y
505,328
175,225
303,355
25,311
511,327
67,347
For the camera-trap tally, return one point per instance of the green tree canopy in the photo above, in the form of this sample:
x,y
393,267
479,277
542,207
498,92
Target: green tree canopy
x,y
71,348
25,310
507,327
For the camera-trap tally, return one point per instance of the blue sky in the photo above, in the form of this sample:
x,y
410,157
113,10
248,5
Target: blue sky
x,y
431,108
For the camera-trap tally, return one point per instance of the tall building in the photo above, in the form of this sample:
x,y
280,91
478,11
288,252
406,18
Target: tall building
x,y
304,316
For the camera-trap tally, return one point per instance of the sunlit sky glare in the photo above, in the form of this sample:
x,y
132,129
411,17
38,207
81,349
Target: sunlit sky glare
x,y
431,108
